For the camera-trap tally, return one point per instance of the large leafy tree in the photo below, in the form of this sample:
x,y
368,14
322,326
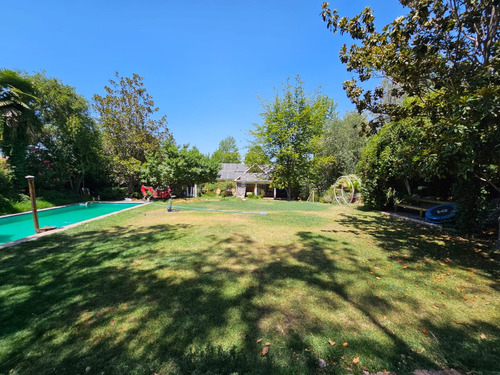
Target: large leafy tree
x,y
69,142
192,167
293,124
256,155
341,147
227,152
179,166
18,121
443,56
130,131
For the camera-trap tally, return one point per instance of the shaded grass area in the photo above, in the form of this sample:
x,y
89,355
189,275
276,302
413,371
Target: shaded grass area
x,y
147,291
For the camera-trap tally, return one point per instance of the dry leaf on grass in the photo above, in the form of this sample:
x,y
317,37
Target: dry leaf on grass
x,y
435,307
265,350
345,344
425,331
355,360
259,341
332,343
483,336
268,343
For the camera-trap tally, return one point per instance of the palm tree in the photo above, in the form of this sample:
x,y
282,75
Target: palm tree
x,y
16,98
18,121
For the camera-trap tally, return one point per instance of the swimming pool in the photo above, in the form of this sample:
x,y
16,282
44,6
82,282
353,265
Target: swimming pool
x,y
15,227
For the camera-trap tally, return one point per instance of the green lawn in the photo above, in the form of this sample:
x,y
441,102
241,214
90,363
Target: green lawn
x,y
191,292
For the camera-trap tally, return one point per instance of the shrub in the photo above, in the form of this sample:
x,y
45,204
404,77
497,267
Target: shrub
x,y
326,198
113,194
253,196
329,195
209,194
471,205
6,174
5,206
219,187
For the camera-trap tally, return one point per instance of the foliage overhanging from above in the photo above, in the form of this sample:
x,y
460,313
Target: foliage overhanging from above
x,y
443,57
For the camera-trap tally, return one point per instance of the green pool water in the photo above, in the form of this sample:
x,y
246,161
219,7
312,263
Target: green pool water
x,y
19,226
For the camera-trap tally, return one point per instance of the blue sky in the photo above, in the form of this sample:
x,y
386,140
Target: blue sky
x,y
206,63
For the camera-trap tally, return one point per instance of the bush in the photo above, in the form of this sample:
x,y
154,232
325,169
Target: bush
x,y
23,198
5,206
6,187
253,196
113,194
471,205
329,195
219,187
326,198
492,214
209,194
59,197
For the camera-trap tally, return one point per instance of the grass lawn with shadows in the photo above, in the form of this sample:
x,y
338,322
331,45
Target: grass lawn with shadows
x,y
147,291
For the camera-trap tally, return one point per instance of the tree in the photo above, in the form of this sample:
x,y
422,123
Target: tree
x,y
179,166
443,56
69,140
18,121
341,147
192,167
129,130
290,134
227,151
256,155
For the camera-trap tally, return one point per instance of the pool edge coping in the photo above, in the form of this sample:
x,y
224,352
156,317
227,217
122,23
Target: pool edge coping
x,y
36,236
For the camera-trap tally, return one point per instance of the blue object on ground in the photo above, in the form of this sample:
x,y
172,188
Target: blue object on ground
x,y
441,213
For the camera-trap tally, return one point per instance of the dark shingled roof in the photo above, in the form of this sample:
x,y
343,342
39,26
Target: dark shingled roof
x,y
233,171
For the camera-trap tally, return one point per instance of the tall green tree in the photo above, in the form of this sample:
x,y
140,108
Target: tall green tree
x,y
192,167
341,147
18,122
293,125
256,155
130,131
179,166
227,152
69,142
443,56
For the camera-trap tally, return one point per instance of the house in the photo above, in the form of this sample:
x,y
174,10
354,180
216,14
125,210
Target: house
x,y
255,179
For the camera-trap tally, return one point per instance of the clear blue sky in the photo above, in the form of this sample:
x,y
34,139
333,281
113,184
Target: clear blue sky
x,y
204,62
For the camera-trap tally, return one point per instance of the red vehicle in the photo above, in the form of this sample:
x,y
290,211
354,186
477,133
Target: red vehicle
x,y
157,194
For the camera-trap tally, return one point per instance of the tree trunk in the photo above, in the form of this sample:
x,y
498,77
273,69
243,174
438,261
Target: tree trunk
x,y
130,186
78,184
289,193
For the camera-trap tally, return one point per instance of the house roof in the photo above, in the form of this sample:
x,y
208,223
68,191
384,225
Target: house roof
x,y
245,173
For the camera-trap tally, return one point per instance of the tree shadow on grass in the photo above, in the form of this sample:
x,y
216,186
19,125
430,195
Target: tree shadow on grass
x,y
315,267
417,242
120,300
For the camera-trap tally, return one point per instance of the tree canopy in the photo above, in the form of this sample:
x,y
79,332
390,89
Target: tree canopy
x,y
69,143
340,147
443,56
18,121
256,155
293,124
129,129
227,152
